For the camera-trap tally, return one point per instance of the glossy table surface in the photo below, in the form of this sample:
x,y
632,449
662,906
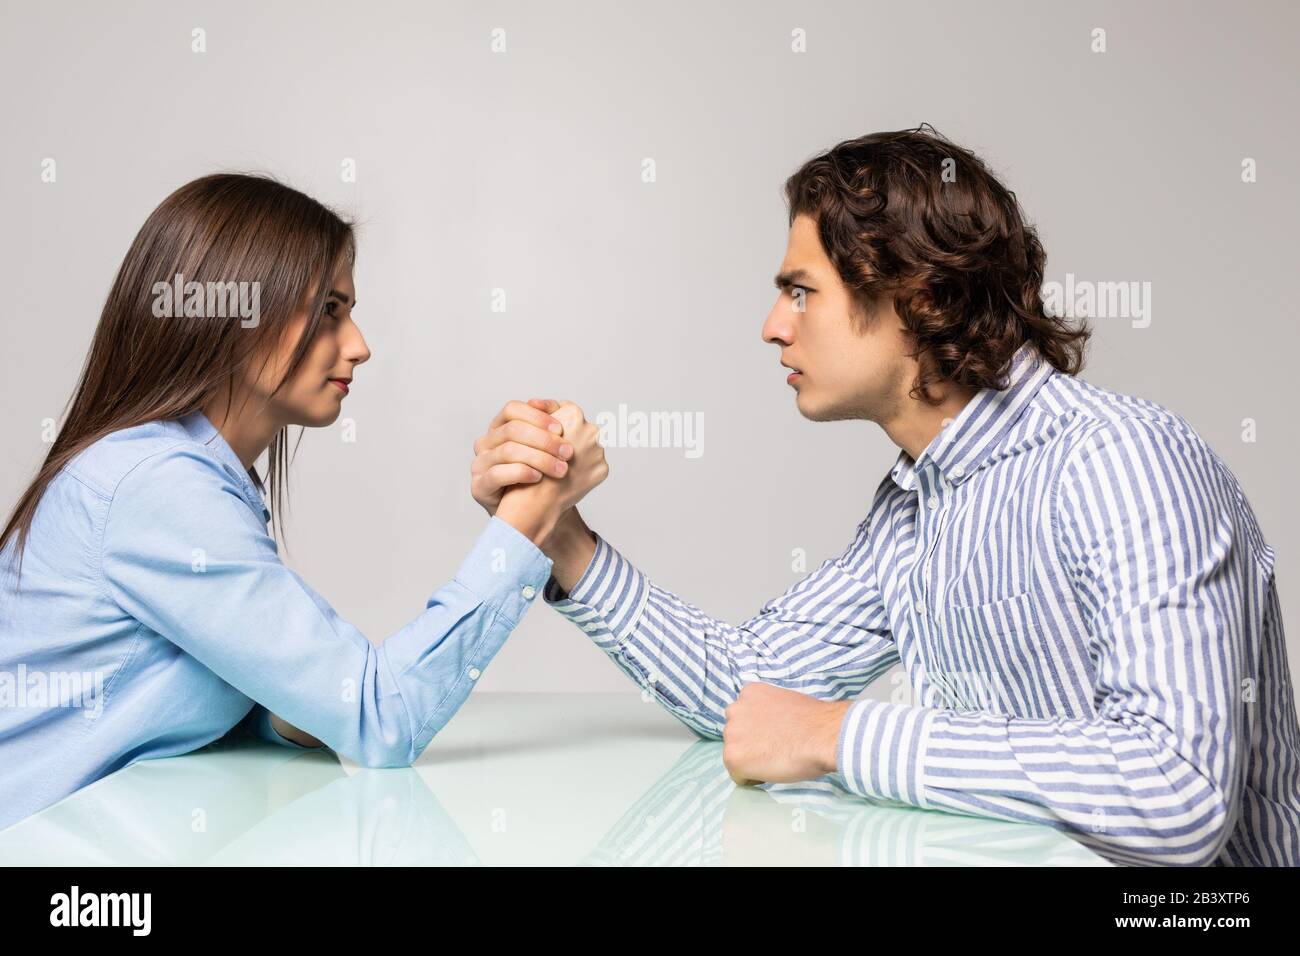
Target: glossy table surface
x,y
515,779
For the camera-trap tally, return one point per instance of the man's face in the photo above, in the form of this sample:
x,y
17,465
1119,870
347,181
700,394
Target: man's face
x,y
847,367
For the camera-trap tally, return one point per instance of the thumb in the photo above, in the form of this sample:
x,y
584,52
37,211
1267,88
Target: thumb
x,y
547,405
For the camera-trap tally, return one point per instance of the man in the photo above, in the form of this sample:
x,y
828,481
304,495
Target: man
x,y
1073,580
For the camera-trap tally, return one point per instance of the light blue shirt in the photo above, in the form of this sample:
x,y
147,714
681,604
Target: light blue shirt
x,y
155,615
1085,608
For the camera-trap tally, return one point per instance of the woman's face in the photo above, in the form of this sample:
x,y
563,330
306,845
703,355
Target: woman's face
x,y
315,394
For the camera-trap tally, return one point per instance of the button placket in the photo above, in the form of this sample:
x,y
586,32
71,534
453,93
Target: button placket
x,y
936,500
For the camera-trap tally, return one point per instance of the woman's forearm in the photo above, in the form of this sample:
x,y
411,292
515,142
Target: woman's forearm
x,y
290,732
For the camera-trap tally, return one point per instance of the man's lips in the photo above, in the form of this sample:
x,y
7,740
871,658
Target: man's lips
x,y
795,374
342,383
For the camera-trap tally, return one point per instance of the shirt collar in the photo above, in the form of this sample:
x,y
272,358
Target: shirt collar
x,y
200,428
970,440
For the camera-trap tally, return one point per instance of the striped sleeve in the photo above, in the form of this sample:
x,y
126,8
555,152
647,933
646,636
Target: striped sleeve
x,y
1161,567
828,635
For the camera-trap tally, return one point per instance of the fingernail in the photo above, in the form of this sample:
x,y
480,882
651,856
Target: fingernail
x,y
566,451
556,427
561,467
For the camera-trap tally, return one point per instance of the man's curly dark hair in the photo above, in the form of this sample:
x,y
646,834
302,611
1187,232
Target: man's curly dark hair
x,y
913,216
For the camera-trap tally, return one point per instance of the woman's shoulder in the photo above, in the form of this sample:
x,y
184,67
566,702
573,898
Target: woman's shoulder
x,y
163,450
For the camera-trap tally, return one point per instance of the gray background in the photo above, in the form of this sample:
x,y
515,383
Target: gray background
x,y
522,171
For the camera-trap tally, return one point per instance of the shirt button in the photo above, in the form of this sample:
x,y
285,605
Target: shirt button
x,y
933,502
958,472
474,673
529,592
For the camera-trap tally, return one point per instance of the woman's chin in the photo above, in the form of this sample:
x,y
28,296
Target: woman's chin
x,y
319,417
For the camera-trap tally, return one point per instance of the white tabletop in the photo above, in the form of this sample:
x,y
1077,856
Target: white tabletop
x,y
515,779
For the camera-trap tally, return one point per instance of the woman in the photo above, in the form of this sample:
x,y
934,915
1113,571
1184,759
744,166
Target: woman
x,y
144,610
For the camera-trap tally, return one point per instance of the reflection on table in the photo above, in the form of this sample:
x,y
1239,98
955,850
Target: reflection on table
x,y
594,779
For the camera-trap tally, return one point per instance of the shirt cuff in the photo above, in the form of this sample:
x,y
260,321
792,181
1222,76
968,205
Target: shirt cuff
x,y
608,599
505,570
881,751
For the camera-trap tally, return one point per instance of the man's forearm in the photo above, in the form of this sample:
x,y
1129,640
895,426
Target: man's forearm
x,y
570,546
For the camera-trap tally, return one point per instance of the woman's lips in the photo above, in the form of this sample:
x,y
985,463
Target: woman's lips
x,y
341,383
793,377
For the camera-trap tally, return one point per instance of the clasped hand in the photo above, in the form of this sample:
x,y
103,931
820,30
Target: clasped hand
x,y
536,460
534,463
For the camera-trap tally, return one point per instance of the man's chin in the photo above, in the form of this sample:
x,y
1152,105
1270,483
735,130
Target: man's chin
x,y
816,411
808,408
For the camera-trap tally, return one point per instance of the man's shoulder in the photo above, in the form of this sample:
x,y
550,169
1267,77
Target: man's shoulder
x,y
1092,414
1130,446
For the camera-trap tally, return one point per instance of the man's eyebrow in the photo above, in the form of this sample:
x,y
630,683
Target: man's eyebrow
x,y
340,295
794,277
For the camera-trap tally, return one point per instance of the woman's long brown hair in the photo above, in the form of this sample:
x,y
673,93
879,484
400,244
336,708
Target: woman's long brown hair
x,y
226,227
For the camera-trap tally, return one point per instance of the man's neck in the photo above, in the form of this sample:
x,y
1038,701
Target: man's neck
x,y
916,424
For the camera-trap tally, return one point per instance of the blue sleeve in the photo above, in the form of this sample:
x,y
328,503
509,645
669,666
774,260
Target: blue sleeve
x,y
183,553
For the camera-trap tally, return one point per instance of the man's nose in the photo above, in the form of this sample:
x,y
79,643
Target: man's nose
x,y
778,327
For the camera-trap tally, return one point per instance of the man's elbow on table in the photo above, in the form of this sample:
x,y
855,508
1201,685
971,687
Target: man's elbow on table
x,y
1196,837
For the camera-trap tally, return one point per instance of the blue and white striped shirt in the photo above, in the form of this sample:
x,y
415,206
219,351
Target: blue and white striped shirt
x,y
1085,608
